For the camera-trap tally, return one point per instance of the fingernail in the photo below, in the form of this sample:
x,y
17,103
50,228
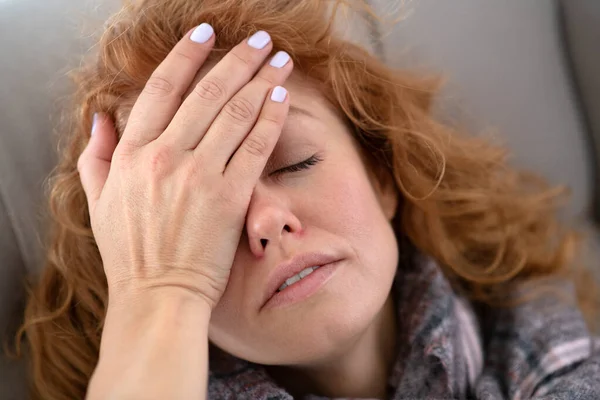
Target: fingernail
x,y
95,121
279,94
202,33
259,40
280,59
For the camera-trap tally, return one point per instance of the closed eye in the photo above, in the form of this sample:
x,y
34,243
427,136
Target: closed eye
x,y
306,164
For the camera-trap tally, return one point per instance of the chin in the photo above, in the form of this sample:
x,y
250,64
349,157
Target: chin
x,y
320,328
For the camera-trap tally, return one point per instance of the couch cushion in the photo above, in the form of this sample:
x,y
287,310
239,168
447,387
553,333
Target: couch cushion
x,y
12,276
506,70
39,40
581,23
32,84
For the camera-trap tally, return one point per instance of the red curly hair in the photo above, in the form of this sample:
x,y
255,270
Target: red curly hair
x,y
488,225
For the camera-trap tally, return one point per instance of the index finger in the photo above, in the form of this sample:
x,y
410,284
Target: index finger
x,y
163,93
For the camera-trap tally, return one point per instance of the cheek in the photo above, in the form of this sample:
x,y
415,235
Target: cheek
x,y
350,209
345,203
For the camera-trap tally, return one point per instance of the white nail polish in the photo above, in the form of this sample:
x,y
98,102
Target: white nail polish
x,y
95,121
280,59
279,94
202,33
259,40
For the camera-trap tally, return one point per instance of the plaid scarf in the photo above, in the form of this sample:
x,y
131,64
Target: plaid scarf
x,y
447,350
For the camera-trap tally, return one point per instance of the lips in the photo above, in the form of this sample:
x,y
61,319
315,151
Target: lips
x,y
292,267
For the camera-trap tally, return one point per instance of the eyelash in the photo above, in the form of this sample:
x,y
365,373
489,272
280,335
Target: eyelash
x,y
306,164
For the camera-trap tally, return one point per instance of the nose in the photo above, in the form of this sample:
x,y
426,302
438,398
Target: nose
x,y
269,220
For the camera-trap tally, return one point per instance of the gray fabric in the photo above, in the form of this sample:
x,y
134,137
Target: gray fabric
x,y
582,34
502,59
506,71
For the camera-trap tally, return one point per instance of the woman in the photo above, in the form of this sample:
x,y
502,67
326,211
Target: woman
x,y
256,183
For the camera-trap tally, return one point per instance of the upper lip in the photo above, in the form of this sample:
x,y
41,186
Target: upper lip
x,y
287,269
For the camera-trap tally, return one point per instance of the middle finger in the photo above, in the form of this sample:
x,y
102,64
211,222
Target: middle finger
x,y
214,90
239,115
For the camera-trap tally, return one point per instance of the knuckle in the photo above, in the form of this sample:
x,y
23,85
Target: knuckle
x,y
160,159
256,144
273,122
158,86
211,88
244,60
195,170
128,145
240,110
183,56
266,78
122,158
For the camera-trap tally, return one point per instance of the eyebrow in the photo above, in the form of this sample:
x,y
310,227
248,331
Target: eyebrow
x,y
301,111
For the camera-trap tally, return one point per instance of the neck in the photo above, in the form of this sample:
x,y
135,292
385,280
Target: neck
x,y
362,371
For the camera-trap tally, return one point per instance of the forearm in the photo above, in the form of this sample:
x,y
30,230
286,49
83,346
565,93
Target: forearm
x,y
155,349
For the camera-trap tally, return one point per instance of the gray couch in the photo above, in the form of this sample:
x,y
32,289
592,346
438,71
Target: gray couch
x,y
528,69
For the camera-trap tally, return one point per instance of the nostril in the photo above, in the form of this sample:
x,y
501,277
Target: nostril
x,y
287,228
263,242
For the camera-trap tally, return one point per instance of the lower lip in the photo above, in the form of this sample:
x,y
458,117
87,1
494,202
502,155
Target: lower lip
x,y
304,288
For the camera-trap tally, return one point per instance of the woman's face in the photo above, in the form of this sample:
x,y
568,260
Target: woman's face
x,y
332,207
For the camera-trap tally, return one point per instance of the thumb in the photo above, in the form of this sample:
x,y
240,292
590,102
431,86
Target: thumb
x,y
94,162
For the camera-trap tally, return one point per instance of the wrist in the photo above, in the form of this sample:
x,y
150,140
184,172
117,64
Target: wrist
x,y
169,306
152,317
126,295
152,339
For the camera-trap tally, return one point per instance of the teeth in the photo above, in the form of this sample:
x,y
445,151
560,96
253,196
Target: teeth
x,y
293,280
303,274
